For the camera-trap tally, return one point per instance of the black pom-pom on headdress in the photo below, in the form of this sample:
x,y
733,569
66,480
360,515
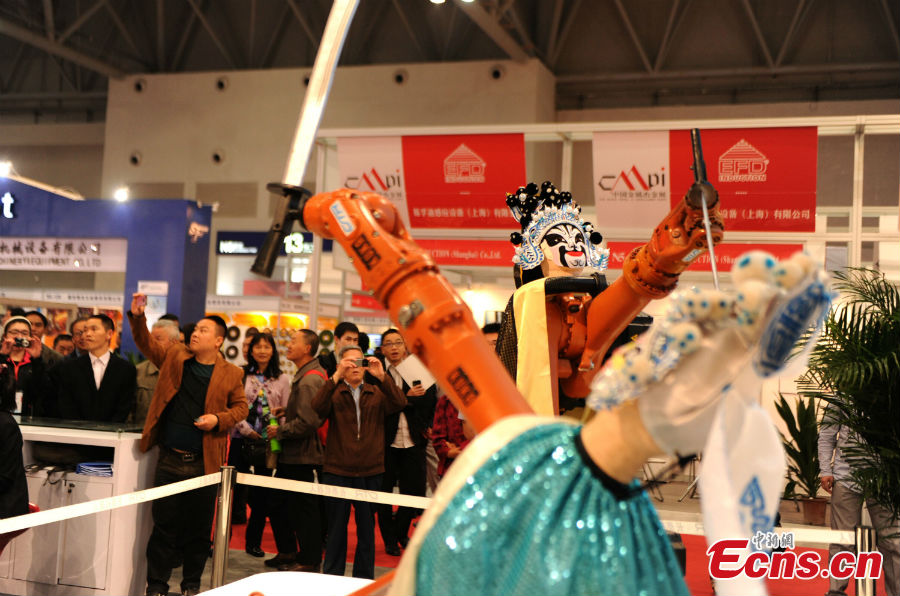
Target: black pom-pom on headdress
x,y
527,200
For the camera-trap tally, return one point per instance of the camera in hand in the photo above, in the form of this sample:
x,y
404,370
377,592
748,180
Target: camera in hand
x,y
363,362
416,383
21,342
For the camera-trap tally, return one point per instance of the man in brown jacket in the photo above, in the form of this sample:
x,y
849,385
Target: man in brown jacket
x,y
198,398
354,452
297,517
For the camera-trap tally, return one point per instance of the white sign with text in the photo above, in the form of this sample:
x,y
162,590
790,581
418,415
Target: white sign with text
x,y
63,254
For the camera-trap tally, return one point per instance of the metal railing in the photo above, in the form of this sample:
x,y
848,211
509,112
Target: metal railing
x,y
863,537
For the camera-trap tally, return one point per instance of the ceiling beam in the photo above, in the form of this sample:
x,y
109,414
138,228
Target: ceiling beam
x,y
183,40
57,49
889,19
122,29
81,20
633,34
554,26
160,36
713,73
215,38
530,47
409,29
251,33
758,32
492,28
667,35
55,96
49,25
274,38
361,43
307,28
667,45
62,71
564,34
451,23
105,49
5,83
800,15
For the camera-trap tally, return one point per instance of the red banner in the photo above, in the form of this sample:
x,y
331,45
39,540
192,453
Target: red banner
x,y
766,177
726,254
470,253
455,181
365,301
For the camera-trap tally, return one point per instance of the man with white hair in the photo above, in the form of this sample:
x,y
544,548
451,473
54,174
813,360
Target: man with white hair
x,y
166,333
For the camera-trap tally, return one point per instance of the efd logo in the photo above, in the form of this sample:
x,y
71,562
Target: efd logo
x,y
464,165
743,163
633,180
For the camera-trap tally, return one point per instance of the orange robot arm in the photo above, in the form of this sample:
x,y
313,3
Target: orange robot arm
x,y
650,272
436,324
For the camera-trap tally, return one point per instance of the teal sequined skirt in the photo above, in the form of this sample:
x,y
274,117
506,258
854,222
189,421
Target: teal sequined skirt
x,y
538,518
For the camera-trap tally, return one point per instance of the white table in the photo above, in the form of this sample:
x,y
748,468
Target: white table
x,y
291,583
96,554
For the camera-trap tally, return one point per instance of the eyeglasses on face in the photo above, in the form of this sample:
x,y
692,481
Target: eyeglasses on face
x,y
392,344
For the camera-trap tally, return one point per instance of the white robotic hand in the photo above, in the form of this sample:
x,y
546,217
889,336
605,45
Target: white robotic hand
x,y
682,367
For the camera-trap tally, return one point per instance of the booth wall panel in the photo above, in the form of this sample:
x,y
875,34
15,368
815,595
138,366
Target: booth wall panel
x,y
235,199
834,176
156,190
881,171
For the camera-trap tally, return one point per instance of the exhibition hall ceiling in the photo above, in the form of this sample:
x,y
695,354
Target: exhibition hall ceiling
x,y
56,56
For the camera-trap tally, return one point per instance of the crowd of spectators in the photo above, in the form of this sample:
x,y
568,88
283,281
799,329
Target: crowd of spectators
x,y
345,418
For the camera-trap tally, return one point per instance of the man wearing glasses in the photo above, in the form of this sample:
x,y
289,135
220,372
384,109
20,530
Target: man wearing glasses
x,y
407,435
76,329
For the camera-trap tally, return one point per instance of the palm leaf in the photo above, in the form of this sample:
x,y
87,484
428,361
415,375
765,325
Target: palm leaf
x,y
855,366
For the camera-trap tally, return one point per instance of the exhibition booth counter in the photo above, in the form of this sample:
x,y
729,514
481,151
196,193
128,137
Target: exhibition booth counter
x,y
101,553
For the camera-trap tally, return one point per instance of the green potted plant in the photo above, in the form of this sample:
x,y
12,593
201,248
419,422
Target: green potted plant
x,y
801,448
855,366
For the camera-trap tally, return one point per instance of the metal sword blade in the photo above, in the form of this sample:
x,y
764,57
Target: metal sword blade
x,y
317,91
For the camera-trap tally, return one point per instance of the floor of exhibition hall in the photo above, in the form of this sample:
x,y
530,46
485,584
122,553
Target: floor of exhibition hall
x,y
242,565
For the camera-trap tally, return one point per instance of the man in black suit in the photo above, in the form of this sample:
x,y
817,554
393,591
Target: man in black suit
x,y
98,385
406,436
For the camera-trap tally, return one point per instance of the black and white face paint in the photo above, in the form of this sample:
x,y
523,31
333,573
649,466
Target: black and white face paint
x,y
566,246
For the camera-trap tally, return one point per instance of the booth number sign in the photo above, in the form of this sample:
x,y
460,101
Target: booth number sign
x,y
294,245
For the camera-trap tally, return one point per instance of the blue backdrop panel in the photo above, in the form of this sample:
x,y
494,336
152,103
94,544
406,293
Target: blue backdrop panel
x,y
159,245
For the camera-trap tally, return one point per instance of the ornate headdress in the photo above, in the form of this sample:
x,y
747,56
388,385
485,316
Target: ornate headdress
x,y
539,211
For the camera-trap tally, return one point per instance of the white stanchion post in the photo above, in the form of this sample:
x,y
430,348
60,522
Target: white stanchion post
x,y
223,527
865,542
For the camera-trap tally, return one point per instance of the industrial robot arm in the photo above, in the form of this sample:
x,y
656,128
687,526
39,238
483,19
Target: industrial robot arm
x,y
436,324
650,272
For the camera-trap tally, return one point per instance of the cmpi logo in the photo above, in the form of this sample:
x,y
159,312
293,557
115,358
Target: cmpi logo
x,y
7,200
197,231
743,163
464,165
375,181
633,180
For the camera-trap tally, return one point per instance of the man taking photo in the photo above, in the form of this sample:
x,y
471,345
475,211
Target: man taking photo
x,y
354,452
